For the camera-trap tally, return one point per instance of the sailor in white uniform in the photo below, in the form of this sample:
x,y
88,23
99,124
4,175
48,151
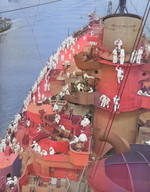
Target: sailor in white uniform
x,y
139,55
122,55
114,55
133,56
116,103
120,73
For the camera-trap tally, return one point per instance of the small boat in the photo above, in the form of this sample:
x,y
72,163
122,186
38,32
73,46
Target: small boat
x,y
5,24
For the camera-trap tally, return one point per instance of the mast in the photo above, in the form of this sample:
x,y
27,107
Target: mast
x,y
122,7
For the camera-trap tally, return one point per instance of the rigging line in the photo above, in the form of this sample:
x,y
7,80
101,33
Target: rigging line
x,y
138,14
134,7
95,6
21,8
33,35
120,92
36,13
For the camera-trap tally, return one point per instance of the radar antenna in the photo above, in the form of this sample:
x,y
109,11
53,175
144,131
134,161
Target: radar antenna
x,y
109,10
122,7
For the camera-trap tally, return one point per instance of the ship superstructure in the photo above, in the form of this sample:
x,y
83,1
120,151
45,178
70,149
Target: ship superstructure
x,y
92,90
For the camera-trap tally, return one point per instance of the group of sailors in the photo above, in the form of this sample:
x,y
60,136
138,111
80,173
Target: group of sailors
x,y
31,96
85,86
143,92
104,101
9,138
76,140
54,59
14,145
136,56
35,87
62,133
37,148
118,50
65,91
78,143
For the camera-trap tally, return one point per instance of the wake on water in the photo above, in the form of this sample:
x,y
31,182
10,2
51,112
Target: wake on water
x,y
16,20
